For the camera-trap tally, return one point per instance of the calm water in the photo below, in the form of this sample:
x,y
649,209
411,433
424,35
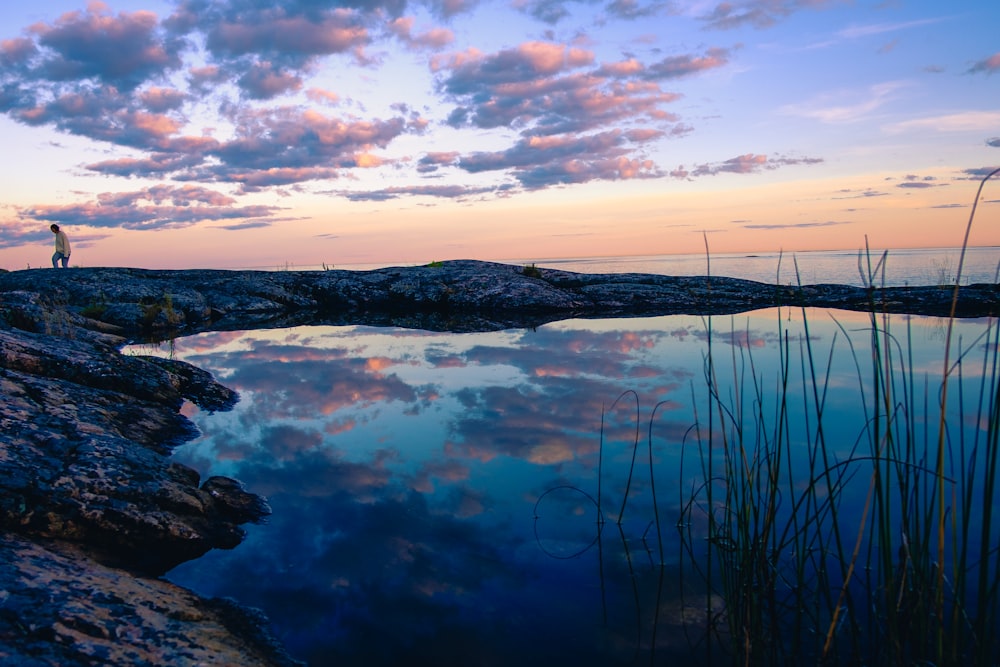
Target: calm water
x,y
436,495
926,266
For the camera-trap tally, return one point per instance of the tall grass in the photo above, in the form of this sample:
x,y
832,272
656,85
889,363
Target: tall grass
x,y
881,550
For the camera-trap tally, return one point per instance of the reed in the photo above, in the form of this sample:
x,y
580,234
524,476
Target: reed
x,y
883,550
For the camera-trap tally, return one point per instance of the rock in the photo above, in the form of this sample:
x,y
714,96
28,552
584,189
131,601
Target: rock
x,y
460,295
57,607
92,509
87,438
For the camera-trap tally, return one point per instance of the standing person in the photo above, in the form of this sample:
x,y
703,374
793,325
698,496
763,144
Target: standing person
x,y
62,248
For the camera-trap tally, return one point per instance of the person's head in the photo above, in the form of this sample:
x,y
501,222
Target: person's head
x,y
54,228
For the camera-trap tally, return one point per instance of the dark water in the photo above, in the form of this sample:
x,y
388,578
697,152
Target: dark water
x,y
451,499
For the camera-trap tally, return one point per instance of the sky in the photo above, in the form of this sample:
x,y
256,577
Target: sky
x,y
307,133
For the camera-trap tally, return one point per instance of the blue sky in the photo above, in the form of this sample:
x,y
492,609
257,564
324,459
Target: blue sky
x,y
251,133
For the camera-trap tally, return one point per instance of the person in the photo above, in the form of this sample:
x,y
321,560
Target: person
x,y
62,248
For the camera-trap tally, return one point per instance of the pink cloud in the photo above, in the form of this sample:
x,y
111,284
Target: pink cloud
x,y
988,65
338,31
436,38
678,66
123,49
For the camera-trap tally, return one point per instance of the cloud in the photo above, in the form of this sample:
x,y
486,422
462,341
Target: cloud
x,y
830,107
444,191
799,225
103,114
15,54
912,181
121,51
539,161
756,13
289,137
965,121
449,8
563,103
162,99
987,65
155,165
864,194
433,161
322,96
289,34
547,11
634,10
237,93
19,233
994,142
556,88
678,66
977,174
472,71
434,39
262,81
747,163
150,208
857,31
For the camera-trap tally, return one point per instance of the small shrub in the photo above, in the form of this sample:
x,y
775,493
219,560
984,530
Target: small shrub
x,y
532,271
165,307
96,309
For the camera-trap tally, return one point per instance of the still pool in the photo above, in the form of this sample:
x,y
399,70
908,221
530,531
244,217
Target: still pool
x,y
568,495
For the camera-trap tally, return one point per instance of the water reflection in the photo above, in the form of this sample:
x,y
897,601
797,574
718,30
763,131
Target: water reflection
x,y
437,497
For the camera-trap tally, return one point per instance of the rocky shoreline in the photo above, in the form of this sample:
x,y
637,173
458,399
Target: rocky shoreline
x,y
94,511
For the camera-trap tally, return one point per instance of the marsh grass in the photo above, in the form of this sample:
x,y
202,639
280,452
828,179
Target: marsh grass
x,y
886,553
811,533
836,552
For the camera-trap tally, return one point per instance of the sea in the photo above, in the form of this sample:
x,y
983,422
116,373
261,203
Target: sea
x,y
884,268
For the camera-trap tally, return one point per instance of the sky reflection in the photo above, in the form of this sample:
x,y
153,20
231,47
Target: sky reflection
x,y
435,494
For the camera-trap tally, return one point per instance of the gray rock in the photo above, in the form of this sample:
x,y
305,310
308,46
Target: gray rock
x,y
58,607
461,295
92,509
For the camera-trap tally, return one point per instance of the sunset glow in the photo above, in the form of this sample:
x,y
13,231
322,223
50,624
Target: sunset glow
x,y
247,134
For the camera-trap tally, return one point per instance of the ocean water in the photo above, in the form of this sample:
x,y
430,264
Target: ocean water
x,y
914,267
918,267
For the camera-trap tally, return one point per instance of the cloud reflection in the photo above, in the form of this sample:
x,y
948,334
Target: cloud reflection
x,y
404,469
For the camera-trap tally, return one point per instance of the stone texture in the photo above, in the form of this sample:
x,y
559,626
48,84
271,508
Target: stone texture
x,y
92,509
459,295
59,608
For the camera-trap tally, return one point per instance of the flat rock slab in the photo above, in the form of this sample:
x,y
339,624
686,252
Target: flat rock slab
x,y
59,608
461,295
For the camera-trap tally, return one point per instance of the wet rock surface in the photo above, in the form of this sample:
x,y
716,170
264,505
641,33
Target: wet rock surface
x,y
58,607
92,509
